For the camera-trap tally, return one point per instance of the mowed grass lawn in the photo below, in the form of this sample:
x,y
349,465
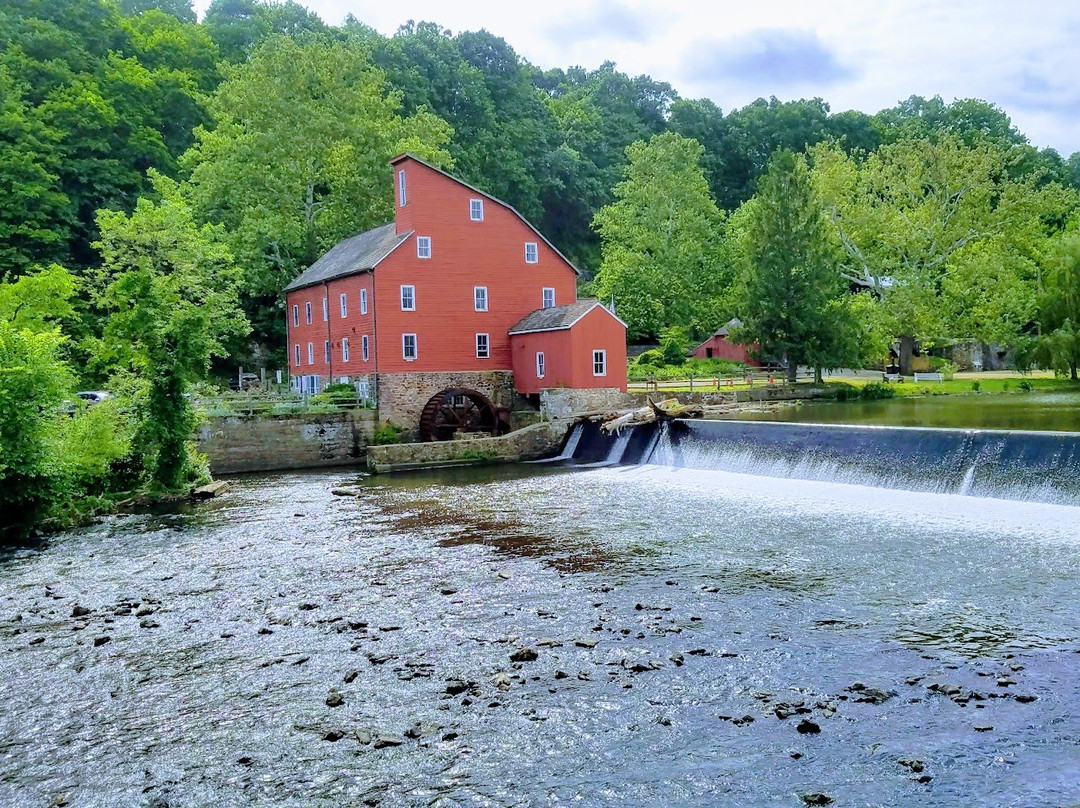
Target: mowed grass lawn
x,y
961,383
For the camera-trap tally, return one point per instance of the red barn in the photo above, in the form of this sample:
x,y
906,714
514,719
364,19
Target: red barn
x,y
418,312
719,347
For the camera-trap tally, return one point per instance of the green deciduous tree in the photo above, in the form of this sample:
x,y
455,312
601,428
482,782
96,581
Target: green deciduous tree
x,y
169,287
1057,345
33,381
662,241
298,159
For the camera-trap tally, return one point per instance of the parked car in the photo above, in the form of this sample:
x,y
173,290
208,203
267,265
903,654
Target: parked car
x,y
92,397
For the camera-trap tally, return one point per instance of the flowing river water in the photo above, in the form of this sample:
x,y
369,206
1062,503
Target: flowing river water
x,y
684,637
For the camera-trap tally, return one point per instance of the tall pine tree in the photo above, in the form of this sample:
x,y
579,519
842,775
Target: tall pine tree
x,y
790,296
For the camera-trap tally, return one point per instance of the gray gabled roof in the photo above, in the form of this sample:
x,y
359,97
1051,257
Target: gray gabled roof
x,y
353,255
557,318
734,322
494,199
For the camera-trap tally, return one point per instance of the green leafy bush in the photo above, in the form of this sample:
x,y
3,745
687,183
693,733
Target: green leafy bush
x,y
976,386
875,391
674,352
653,357
946,368
1026,386
841,391
339,387
386,434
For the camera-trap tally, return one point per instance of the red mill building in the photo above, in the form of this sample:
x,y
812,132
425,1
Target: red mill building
x,y
446,312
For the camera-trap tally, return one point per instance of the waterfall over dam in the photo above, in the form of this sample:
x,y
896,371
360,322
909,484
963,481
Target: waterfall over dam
x,y
1019,465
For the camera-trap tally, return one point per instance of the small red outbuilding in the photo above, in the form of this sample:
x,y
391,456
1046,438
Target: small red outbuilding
x,y
578,345
718,346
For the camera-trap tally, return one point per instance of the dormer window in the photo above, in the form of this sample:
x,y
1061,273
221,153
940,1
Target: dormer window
x,y
423,246
476,210
532,254
402,199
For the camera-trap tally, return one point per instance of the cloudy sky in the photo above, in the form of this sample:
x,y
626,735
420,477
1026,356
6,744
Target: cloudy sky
x,y
856,54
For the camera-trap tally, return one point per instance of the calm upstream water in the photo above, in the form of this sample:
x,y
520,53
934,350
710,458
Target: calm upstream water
x,y
683,637
1039,410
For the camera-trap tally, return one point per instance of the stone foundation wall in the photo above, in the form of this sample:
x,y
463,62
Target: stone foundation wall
x,y
559,402
530,443
271,443
402,396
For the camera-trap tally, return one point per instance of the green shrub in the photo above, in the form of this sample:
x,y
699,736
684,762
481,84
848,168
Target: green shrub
x,y
653,357
674,352
976,386
940,364
875,391
386,434
640,373
1025,385
841,391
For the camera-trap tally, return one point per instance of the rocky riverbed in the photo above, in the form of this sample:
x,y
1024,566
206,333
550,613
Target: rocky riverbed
x,y
533,636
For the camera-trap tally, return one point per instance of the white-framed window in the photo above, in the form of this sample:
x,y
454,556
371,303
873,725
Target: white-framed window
x,y
344,301
532,254
483,346
325,309
541,365
408,346
345,349
295,315
296,353
549,297
311,353
599,363
476,210
363,301
408,298
423,246
401,197
307,313
364,354
480,298
326,351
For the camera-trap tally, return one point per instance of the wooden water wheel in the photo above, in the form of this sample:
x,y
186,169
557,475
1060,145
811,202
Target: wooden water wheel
x,y
458,410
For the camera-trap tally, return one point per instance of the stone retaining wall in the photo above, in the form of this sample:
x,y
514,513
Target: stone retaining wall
x,y
560,402
271,443
530,443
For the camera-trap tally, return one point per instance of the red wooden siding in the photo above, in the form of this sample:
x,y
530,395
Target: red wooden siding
x,y
464,254
722,349
353,327
568,355
598,330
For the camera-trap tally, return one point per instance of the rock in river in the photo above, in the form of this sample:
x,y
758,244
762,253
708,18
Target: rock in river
x,y
335,699
808,727
524,655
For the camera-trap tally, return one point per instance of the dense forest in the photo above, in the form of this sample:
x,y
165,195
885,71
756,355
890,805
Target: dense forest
x,y
162,178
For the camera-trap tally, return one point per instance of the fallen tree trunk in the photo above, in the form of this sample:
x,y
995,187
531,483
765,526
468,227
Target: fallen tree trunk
x,y
650,413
